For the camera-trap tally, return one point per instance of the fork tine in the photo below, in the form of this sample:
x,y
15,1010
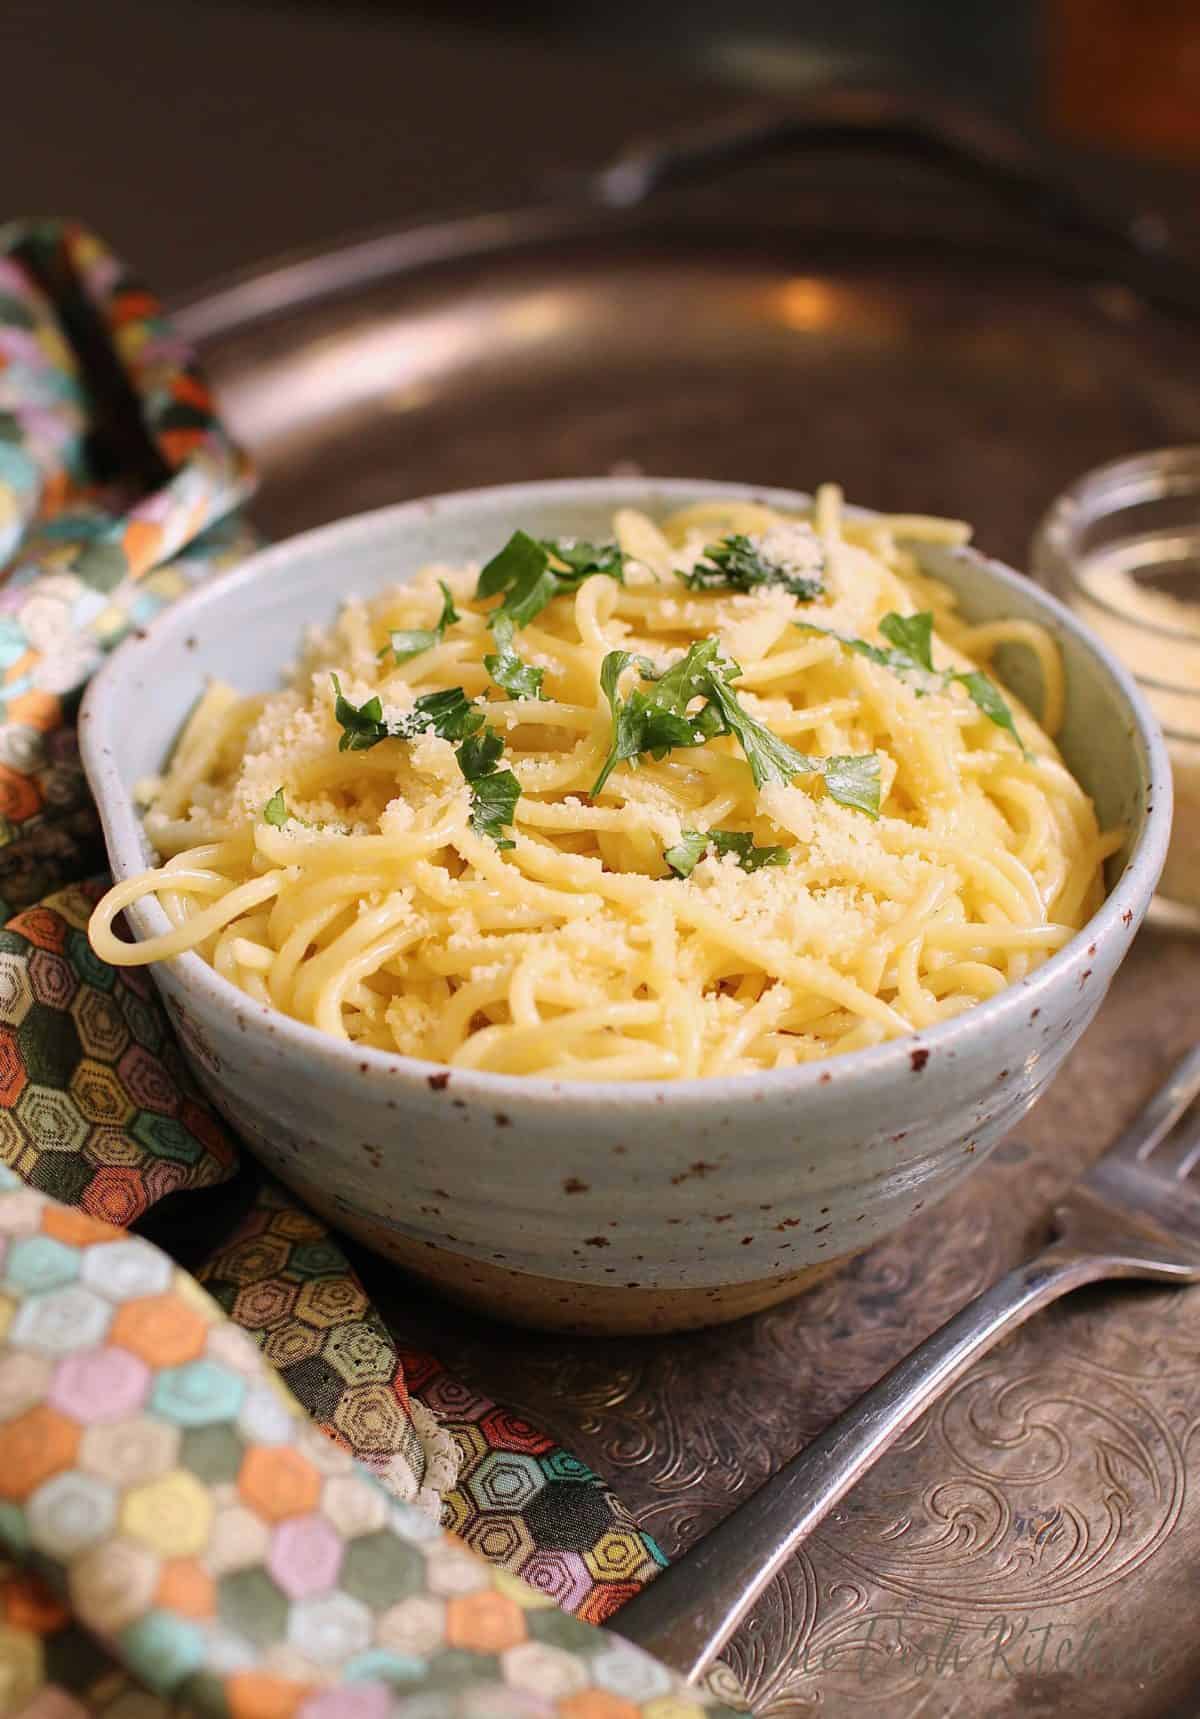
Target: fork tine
x,y
1179,1155
1152,1125
1192,1156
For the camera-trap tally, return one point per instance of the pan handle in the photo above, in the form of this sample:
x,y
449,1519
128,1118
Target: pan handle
x,y
1134,249
978,151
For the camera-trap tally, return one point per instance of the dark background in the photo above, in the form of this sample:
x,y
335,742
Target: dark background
x,y
202,135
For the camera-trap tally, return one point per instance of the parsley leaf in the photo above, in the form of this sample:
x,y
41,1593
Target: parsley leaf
x,y
411,642
984,695
853,780
275,811
688,678
647,669
522,572
493,802
626,734
656,722
741,843
449,613
770,758
494,793
517,678
479,754
584,559
362,725
911,637
687,852
448,713
734,564
611,670
627,728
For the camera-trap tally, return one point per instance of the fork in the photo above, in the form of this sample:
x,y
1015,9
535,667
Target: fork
x,y
1130,1215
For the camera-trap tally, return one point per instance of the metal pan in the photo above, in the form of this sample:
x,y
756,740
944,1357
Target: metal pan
x,y
942,329
966,342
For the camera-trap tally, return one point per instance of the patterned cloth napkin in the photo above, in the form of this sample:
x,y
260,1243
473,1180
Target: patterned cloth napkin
x,y
217,1500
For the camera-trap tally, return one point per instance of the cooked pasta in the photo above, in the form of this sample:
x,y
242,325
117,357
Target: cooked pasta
x,y
731,793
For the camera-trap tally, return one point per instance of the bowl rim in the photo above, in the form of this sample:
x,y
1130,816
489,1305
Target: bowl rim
x,y
873,1068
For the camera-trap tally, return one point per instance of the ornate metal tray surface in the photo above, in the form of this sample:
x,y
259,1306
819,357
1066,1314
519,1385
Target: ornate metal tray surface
x,y
1034,1545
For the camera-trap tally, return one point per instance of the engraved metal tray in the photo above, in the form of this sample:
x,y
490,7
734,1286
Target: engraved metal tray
x,y
1033,1547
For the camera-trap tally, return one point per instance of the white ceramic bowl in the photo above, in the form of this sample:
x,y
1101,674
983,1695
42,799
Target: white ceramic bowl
x,y
641,1205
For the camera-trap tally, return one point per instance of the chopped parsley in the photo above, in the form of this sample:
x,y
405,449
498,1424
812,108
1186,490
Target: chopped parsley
x,y
275,811
749,857
852,781
522,573
450,714
657,722
584,559
362,725
770,758
493,802
689,678
735,564
494,792
911,654
411,642
911,639
910,636
985,696
479,754
517,678
687,853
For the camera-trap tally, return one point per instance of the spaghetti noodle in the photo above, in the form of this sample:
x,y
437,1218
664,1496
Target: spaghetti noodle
x,y
729,794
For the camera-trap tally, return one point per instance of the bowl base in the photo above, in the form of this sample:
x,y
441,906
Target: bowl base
x,y
596,1310
587,1309
559,1304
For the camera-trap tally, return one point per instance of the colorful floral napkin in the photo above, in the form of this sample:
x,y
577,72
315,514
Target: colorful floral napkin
x,y
220,1500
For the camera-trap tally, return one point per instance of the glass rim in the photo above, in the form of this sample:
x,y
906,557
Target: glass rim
x,y
1136,623
1054,535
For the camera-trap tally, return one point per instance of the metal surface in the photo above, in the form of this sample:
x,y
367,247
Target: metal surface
x,y
978,381
1132,1216
1019,1551
1029,1547
999,165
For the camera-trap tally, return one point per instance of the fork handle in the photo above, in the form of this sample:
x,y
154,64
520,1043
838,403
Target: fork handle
x,y
689,1611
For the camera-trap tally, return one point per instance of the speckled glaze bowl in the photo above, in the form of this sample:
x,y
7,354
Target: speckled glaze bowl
x,y
639,1206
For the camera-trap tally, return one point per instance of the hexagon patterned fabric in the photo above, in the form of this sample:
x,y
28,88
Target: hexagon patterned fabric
x,y
519,1499
168,1498
179,1535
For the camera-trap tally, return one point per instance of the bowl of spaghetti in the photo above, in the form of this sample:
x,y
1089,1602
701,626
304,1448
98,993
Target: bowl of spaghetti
x,y
618,900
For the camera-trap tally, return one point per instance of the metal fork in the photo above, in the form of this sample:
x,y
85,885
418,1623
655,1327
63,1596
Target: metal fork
x,y
1130,1216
